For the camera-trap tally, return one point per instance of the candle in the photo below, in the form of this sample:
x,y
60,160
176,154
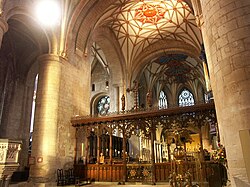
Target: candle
x,y
82,150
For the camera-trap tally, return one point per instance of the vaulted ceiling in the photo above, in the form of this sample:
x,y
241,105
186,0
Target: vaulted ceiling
x,y
138,24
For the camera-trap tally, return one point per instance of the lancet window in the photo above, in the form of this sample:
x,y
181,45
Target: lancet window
x,y
162,100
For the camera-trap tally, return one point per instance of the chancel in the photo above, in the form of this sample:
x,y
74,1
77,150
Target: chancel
x,y
125,92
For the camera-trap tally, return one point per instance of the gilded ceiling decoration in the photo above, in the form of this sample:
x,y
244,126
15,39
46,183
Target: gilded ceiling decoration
x,y
138,24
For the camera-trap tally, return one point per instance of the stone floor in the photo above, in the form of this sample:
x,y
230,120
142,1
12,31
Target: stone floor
x,y
95,184
105,184
111,184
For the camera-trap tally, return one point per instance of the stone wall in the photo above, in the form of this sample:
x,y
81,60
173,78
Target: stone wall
x,y
74,100
226,37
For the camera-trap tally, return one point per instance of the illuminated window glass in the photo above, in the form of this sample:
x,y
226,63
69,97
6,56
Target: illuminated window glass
x,y
33,112
186,98
162,100
103,105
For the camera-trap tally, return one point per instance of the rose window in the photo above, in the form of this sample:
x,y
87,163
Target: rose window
x,y
103,105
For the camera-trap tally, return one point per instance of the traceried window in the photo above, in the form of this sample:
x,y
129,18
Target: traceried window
x,y
162,100
186,98
103,105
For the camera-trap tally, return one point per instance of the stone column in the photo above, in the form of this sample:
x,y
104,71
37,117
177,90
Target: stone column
x,y
3,29
226,34
44,145
3,98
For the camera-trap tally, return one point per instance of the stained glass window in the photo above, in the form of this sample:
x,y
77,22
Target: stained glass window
x,y
103,105
186,98
162,100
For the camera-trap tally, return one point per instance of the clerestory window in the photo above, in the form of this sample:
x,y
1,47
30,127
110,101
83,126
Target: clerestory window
x,y
162,101
186,98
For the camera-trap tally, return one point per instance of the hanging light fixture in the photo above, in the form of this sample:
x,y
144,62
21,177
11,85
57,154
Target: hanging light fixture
x,y
48,12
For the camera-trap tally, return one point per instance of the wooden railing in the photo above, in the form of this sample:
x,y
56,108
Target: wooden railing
x,y
198,171
114,172
101,172
163,171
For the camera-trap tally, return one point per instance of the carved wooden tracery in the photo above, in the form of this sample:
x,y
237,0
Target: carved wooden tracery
x,y
129,123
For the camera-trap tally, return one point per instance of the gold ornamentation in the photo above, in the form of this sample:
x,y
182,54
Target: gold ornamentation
x,y
133,173
145,173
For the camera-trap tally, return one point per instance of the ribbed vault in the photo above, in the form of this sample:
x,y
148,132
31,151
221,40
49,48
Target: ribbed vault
x,y
137,25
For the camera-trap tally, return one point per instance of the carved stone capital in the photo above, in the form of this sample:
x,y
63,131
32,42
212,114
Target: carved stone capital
x,y
9,153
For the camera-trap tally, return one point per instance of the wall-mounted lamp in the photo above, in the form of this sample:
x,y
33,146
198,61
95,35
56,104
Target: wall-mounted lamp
x,y
39,159
107,85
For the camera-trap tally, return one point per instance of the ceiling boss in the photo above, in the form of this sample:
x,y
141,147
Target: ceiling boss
x,y
149,13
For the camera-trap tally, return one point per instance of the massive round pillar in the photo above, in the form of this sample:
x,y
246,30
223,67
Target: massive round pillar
x,y
226,33
46,120
3,29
